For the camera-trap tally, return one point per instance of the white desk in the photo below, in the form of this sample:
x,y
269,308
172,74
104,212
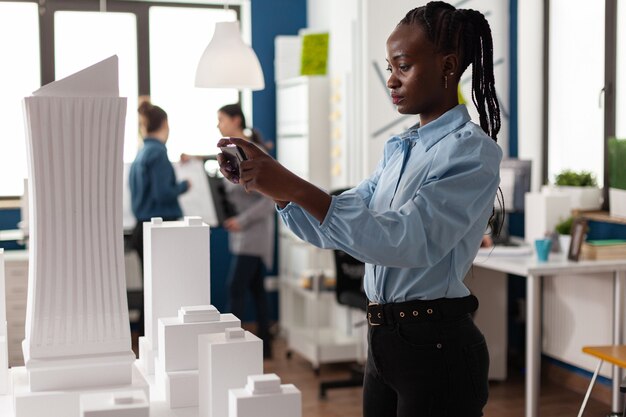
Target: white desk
x,y
534,272
13,234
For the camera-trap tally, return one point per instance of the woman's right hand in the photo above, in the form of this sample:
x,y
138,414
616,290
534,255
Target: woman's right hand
x,y
263,174
260,172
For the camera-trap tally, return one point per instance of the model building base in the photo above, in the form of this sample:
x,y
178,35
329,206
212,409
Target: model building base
x,y
133,403
80,372
62,403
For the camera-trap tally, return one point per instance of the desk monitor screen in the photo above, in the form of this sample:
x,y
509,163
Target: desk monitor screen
x,y
514,183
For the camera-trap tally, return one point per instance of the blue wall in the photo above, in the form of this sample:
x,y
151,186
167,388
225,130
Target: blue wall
x,y
8,220
270,18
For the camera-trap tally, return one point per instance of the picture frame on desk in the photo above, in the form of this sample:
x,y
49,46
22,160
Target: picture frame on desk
x,y
579,229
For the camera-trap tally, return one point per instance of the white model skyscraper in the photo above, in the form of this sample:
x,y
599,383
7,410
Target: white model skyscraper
x,y
77,332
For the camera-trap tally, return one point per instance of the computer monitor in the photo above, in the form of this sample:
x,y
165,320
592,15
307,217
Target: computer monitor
x,y
514,183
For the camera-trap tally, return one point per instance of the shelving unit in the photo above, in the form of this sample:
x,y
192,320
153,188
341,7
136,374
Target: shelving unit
x,y
600,216
309,318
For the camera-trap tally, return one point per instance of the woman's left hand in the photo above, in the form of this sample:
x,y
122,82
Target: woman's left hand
x,y
260,172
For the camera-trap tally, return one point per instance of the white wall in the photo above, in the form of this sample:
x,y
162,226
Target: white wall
x,y
318,14
530,85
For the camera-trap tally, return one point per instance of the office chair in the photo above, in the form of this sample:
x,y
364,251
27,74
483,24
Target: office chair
x,y
349,292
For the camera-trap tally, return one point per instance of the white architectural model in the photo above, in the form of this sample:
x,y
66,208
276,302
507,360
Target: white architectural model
x,y
177,273
107,404
4,344
264,396
77,331
177,363
225,361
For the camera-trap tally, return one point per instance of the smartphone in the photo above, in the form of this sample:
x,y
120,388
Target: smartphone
x,y
234,155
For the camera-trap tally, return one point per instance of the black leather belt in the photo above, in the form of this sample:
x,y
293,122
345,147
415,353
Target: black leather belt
x,y
420,310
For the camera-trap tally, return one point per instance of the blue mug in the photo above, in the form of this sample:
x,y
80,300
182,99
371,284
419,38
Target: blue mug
x,y
543,247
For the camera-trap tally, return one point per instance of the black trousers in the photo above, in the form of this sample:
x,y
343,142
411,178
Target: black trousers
x,y
247,273
433,368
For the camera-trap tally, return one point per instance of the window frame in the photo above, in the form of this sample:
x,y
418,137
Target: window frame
x,y
609,95
141,9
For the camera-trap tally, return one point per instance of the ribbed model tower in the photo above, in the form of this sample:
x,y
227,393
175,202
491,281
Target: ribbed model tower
x,y
77,332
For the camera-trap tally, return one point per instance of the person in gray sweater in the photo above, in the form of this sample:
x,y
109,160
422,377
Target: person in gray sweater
x,y
251,234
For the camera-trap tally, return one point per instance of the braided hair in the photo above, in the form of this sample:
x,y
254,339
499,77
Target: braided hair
x,y
467,33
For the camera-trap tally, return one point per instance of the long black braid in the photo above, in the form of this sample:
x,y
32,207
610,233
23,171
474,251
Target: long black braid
x,y
467,33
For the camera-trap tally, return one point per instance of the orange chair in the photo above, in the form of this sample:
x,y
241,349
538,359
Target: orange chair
x,y
614,354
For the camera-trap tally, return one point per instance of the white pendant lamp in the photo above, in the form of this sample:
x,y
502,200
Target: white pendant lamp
x,y
227,62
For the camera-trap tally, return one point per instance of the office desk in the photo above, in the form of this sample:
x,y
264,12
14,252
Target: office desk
x,y
534,271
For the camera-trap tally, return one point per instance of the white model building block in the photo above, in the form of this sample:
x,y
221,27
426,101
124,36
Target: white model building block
x,y
194,314
63,403
225,360
77,311
4,345
177,364
177,273
264,396
180,387
115,404
179,341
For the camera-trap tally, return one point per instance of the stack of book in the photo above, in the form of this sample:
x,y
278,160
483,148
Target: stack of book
x,y
604,249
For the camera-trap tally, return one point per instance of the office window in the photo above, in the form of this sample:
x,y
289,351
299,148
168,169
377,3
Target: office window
x,y
84,38
19,77
178,36
576,79
620,128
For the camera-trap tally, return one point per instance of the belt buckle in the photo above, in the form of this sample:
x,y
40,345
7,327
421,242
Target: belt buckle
x,y
369,315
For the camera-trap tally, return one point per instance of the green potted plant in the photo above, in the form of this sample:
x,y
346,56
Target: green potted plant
x,y
564,229
582,188
617,177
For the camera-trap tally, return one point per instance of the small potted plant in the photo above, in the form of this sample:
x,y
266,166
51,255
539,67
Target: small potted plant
x,y
564,229
617,177
582,188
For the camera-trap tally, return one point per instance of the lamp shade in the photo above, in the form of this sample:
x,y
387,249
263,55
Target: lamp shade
x,y
227,62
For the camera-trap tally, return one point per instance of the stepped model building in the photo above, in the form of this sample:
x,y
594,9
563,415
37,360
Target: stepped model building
x,y
176,274
264,396
77,331
176,368
225,360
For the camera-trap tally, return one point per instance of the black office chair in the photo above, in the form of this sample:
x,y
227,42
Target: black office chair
x,y
349,292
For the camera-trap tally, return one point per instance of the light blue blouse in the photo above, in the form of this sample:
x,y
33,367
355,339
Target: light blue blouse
x,y
418,221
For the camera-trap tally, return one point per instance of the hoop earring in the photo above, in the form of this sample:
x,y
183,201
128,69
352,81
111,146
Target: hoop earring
x,y
445,81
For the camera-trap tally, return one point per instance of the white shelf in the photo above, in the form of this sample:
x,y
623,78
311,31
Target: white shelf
x,y
323,345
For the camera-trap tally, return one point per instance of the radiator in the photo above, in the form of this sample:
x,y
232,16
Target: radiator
x,y
577,312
